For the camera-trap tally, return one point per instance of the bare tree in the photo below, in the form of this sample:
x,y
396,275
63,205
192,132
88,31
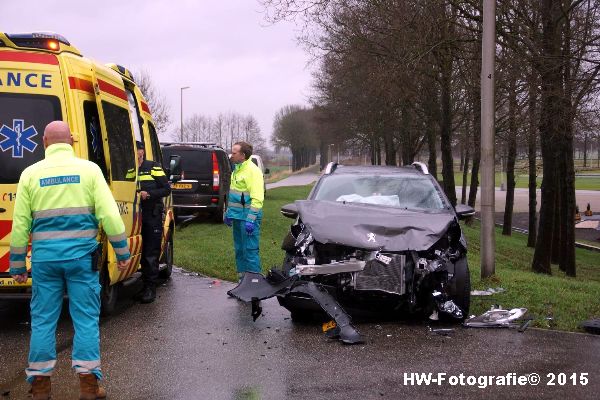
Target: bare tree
x,y
156,101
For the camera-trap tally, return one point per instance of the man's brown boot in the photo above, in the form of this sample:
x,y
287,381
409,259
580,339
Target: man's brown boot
x,y
89,388
40,388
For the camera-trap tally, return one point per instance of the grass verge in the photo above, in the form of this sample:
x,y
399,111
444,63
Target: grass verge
x,y
522,181
207,248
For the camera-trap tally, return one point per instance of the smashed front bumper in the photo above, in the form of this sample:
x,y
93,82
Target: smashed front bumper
x,y
255,287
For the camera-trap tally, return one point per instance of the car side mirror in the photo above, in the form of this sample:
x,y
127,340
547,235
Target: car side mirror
x,y
289,210
464,211
267,171
175,168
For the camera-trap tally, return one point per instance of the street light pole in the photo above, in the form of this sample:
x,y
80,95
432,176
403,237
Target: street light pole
x,y
488,52
181,106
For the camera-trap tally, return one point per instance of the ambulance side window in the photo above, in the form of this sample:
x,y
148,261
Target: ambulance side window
x,y
94,137
155,145
120,142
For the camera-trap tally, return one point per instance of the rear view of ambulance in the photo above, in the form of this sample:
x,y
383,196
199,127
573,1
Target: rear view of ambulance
x,y
43,78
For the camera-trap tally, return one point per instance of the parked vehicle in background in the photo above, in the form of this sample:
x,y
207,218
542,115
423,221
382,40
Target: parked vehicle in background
x,y
257,160
205,178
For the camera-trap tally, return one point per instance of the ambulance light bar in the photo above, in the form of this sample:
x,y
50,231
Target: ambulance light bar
x,y
38,40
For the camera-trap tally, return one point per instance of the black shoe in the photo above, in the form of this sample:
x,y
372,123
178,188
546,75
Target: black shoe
x,y
148,296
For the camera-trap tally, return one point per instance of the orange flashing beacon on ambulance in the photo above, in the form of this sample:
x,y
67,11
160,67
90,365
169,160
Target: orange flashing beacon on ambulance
x,y
44,78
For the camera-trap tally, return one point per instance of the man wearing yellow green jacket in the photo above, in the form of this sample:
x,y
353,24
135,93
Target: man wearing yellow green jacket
x,y
61,201
244,208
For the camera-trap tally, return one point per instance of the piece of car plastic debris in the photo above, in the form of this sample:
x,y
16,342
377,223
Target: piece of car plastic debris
x,y
525,325
449,307
487,292
592,326
445,306
441,331
254,287
496,318
256,309
434,316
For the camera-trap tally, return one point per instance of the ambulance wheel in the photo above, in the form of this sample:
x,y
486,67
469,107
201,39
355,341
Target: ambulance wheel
x,y
165,273
108,294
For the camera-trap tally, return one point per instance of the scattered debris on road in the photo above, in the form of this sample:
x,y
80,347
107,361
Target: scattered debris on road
x,y
255,287
592,326
441,331
487,292
497,317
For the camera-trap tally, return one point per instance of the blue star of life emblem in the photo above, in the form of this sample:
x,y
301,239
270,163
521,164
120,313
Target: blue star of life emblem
x,y
18,138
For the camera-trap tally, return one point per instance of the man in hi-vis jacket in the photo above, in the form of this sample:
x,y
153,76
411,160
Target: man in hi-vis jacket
x,y
61,200
244,208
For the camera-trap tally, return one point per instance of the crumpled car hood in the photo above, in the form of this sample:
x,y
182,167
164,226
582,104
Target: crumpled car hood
x,y
373,227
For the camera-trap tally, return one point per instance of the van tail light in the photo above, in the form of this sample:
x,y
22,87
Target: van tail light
x,y
182,175
215,165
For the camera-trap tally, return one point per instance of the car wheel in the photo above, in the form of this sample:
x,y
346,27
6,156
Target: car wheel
x,y
108,294
301,316
460,286
165,273
219,215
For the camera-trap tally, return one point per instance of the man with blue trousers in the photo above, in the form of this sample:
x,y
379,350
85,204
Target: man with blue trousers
x,y
61,201
244,208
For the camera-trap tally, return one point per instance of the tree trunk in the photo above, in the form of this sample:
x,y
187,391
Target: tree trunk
x,y
476,103
568,200
465,177
550,73
531,155
511,158
446,130
585,146
389,148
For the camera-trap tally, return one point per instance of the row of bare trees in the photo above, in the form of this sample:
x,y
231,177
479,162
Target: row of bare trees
x,y
224,130
401,78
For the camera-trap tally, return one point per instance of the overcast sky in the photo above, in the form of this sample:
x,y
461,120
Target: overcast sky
x,y
223,49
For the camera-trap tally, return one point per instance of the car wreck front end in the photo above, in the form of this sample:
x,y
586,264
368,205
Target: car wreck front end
x,y
378,260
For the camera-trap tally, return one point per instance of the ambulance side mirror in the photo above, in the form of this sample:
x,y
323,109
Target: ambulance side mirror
x,y
174,168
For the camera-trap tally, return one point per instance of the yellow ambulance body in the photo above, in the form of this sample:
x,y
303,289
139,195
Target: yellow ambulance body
x,y
43,78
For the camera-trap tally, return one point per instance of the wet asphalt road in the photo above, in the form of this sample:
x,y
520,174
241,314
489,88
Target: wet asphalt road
x,y
196,343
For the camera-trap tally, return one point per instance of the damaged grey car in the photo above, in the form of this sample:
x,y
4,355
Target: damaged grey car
x,y
373,239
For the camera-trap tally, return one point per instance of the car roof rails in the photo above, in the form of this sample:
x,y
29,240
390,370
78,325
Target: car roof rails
x,y
421,167
331,167
206,145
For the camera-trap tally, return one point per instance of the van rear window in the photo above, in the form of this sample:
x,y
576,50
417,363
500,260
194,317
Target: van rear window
x,y
195,163
23,118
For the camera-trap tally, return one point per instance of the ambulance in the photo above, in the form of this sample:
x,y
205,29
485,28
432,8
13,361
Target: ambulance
x,y
44,78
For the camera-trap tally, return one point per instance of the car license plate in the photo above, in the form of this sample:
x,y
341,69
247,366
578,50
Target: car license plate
x,y
328,325
182,186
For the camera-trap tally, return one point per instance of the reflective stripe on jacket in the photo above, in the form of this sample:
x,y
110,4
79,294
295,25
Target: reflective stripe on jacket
x,y
61,201
152,179
246,193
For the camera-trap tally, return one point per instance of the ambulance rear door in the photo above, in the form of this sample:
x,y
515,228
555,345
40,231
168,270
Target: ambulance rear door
x,y
31,96
117,131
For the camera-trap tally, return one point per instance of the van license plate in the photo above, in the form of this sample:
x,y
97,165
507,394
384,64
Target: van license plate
x,y
182,186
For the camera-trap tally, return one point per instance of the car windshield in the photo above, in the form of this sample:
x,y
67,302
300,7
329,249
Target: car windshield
x,y
399,191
